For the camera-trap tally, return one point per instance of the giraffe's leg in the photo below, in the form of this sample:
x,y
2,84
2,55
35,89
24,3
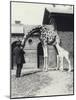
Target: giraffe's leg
x,y
69,67
61,63
46,64
69,63
57,62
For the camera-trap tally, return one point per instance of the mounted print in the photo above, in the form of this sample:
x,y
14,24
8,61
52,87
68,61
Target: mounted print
x,y
42,49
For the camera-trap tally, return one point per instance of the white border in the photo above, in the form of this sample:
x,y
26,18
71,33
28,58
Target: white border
x,y
5,48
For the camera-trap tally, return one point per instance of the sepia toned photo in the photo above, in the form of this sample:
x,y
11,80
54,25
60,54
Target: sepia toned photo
x,y
42,49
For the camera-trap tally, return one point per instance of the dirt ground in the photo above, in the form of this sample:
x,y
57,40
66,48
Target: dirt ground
x,y
42,84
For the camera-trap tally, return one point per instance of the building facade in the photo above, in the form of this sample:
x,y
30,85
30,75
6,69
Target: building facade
x,y
64,24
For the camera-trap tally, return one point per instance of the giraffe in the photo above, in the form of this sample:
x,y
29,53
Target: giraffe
x,y
47,37
62,53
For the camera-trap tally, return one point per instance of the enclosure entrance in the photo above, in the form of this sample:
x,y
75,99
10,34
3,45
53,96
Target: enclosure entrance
x,y
40,57
13,45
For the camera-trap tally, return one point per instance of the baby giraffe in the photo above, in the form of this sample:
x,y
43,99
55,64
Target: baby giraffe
x,y
62,53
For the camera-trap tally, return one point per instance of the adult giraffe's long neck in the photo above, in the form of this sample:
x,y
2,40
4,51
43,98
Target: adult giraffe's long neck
x,y
23,41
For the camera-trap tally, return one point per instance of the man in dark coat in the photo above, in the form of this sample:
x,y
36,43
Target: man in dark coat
x,y
19,58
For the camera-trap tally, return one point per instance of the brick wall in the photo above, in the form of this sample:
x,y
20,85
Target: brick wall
x,y
31,50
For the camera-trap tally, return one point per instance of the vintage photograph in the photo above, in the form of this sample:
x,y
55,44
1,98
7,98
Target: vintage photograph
x,y
42,49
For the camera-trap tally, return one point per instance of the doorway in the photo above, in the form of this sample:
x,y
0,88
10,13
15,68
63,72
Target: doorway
x,y
40,57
